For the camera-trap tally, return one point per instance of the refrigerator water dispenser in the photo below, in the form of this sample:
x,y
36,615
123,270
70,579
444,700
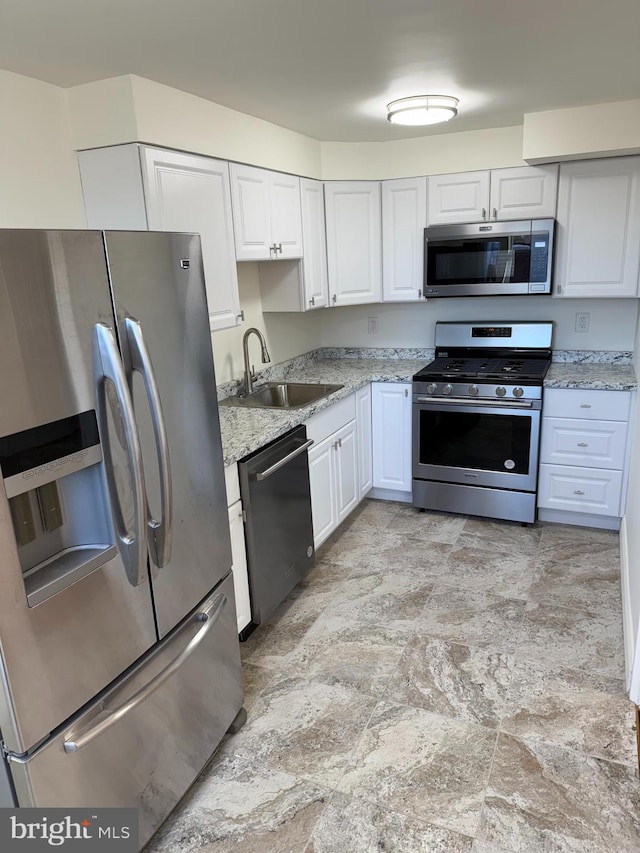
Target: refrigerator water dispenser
x,y
54,480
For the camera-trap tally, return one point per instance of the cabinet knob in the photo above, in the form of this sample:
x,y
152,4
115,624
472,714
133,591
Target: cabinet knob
x,y
578,492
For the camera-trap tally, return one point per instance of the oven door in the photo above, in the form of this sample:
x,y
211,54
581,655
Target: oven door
x,y
477,443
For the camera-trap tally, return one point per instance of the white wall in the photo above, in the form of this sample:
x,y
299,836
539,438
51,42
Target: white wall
x,y
613,321
39,177
287,335
131,108
630,548
428,155
577,133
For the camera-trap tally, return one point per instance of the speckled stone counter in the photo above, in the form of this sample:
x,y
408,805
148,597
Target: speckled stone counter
x,y
245,430
597,377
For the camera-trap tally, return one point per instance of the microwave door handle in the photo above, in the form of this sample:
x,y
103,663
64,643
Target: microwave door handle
x,y
107,366
159,532
108,717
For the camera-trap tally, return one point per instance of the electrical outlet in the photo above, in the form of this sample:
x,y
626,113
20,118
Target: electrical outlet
x,y
373,325
582,321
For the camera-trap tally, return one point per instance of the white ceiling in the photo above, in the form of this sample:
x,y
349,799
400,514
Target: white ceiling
x,y
327,68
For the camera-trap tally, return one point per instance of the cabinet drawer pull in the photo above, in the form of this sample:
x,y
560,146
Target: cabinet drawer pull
x,y
582,444
585,405
484,212
495,213
578,492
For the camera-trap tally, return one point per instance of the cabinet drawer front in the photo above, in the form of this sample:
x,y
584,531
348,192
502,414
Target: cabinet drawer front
x,y
591,444
329,420
596,405
587,490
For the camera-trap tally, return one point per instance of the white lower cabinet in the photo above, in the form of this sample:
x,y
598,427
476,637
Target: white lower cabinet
x,y
322,478
391,421
365,450
238,548
583,451
337,468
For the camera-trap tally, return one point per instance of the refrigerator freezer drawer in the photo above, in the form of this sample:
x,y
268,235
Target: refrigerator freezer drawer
x,y
151,734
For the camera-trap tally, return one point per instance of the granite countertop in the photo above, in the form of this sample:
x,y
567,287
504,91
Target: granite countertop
x,y
598,377
245,430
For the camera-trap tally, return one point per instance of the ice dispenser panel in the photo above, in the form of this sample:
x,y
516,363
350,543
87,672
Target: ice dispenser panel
x,y
55,485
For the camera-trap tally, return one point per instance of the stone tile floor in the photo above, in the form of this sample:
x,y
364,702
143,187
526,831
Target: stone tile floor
x,y
436,683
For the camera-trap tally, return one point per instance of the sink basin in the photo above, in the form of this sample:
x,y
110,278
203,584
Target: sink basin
x,y
284,395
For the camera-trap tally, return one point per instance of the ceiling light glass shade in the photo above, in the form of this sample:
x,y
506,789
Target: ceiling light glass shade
x,y
422,109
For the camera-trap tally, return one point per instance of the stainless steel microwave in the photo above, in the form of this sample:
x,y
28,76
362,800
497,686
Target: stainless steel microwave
x,y
489,259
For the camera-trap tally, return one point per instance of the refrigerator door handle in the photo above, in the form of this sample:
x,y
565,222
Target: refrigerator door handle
x,y
108,366
110,716
159,533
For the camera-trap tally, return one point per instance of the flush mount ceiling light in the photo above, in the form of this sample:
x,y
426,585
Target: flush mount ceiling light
x,y
422,109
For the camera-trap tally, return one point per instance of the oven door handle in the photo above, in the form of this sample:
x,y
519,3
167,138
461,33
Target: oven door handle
x,y
474,401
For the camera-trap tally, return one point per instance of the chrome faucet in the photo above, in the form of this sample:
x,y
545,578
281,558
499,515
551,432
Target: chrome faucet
x,y
249,372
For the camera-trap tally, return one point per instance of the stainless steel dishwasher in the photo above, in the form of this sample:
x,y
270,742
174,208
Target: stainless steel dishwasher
x,y
274,485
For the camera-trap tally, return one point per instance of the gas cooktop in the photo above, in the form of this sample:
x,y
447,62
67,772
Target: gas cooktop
x,y
512,369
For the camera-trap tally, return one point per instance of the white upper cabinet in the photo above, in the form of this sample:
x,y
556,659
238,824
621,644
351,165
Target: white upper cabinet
x,y
462,197
314,241
266,214
138,187
354,250
300,285
525,192
598,233
404,218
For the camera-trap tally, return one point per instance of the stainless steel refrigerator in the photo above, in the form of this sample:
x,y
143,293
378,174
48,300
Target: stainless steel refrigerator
x,y
120,662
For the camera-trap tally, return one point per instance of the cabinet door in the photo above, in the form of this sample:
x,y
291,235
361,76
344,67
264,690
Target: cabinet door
x,y
239,565
188,193
527,192
598,234
251,213
391,419
462,197
314,262
286,220
323,489
354,241
363,420
346,461
404,218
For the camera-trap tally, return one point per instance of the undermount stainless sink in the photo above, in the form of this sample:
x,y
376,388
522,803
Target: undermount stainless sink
x,y
284,395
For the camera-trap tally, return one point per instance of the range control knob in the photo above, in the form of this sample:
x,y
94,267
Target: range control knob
x,y
501,391
473,390
518,392
432,388
447,389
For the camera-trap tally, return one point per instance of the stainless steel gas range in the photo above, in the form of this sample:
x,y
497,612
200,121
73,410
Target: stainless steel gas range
x,y
476,419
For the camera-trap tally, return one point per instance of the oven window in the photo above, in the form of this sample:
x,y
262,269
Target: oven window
x,y
478,260
485,442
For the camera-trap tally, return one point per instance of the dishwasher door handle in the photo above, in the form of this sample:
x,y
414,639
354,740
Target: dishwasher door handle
x,y
262,475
